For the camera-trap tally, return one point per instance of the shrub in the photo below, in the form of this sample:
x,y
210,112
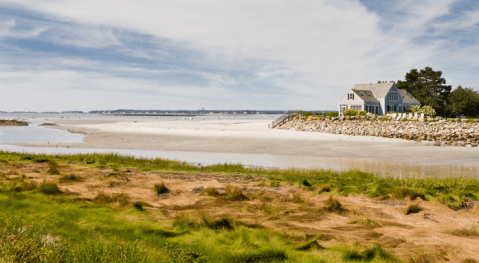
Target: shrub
x,y
412,209
161,189
350,112
332,114
49,188
362,113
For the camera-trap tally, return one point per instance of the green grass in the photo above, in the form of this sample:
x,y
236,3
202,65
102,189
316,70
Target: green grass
x,y
450,191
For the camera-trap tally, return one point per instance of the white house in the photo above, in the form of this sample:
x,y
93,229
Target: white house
x,y
377,98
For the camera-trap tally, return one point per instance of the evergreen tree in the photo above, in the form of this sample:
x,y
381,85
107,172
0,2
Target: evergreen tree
x,y
427,87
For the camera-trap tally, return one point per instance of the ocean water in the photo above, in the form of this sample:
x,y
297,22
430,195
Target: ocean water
x,y
36,134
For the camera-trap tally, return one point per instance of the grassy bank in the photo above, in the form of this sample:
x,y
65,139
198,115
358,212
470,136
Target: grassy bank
x,y
40,222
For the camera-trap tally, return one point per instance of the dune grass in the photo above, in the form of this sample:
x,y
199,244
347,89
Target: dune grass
x,y
453,192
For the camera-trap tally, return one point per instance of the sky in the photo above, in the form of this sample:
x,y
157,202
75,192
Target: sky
x,y
60,55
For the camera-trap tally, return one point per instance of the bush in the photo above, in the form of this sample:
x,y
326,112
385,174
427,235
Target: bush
x,y
49,188
350,112
161,189
362,113
332,114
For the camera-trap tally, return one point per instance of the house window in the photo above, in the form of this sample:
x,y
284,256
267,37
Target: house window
x,y
350,96
356,107
393,96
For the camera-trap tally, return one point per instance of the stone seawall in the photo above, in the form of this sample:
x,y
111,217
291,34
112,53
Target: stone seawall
x,y
439,132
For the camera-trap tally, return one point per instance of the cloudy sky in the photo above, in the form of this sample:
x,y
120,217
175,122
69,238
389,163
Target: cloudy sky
x,y
60,55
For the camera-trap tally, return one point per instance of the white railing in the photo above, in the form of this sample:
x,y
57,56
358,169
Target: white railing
x,y
286,116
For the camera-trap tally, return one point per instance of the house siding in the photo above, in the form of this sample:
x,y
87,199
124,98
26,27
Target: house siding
x,y
356,101
393,103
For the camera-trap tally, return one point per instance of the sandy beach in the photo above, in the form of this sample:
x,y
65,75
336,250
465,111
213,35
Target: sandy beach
x,y
254,137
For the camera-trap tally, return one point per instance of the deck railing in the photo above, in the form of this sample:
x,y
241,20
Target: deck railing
x,y
286,116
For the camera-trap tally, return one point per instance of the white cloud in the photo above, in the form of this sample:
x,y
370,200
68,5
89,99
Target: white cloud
x,y
295,45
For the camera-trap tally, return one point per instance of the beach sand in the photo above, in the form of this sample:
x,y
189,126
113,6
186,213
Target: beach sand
x,y
254,137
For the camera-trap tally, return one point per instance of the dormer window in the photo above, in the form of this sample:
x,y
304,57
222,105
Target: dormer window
x,y
393,96
351,96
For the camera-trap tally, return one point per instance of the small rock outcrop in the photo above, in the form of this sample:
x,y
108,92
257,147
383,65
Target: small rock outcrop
x,y
13,123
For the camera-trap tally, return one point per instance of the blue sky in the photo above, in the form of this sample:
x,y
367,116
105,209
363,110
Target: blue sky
x,y
272,54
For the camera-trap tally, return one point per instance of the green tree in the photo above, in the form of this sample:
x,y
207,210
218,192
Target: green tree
x,y
463,101
427,87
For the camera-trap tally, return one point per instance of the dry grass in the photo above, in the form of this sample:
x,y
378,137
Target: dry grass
x,y
364,222
122,199
332,205
210,191
473,232
234,193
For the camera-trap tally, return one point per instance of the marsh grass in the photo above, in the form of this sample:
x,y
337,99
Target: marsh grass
x,y
473,232
368,254
49,188
70,178
310,245
139,205
122,199
332,205
53,168
413,209
234,194
161,189
364,222
210,191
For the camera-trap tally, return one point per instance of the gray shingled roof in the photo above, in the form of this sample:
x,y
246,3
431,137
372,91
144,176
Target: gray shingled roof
x,y
408,98
364,96
380,90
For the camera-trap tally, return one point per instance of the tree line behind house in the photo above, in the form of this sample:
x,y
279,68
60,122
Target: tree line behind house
x,y
430,89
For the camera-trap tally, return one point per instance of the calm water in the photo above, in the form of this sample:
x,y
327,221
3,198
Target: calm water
x,y
38,134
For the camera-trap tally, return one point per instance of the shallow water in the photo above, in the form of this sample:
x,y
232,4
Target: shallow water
x,y
273,161
36,134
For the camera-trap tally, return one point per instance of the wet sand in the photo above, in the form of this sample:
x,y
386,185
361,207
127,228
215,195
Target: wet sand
x,y
254,137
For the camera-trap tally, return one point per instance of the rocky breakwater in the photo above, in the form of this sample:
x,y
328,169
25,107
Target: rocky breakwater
x,y
12,123
439,132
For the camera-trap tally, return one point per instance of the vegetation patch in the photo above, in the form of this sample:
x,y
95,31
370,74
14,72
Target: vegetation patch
x,y
210,191
473,232
413,209
234,194
122,199
369,254
53,168
332,205
71,178
49,188
161,189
